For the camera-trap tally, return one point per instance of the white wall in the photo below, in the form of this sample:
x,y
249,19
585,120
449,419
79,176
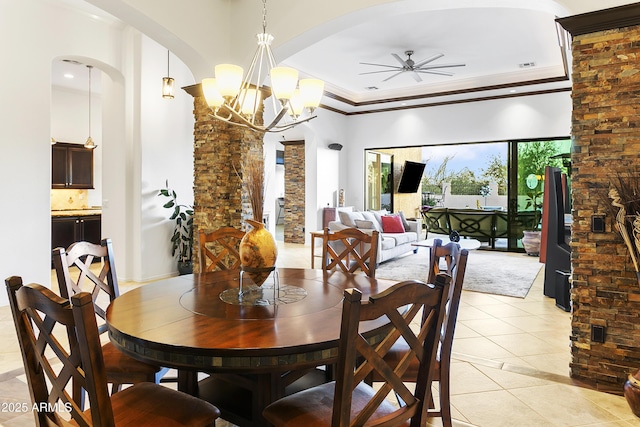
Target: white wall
x,y
36,37
541,116
166,139
25,163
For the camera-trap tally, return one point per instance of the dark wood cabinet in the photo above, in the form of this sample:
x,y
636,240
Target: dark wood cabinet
x,y
66,230
71,166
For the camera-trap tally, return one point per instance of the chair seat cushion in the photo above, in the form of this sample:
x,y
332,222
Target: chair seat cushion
x,y
313,407
155,405
118,363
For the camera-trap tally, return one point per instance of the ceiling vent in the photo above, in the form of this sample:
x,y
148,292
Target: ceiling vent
x,y
527,65
371,88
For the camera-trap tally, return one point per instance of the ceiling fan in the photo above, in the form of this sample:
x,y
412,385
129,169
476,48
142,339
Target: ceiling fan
x,y
415,68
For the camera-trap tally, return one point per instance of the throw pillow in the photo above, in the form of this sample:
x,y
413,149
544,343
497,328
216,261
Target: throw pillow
x,y
379,214
392,224
348,218
369,216
366,225
405,223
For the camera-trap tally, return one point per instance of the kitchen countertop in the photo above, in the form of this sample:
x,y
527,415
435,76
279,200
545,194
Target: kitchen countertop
x,y
76,212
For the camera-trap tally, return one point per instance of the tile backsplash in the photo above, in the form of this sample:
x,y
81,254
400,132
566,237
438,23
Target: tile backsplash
x,y
69,199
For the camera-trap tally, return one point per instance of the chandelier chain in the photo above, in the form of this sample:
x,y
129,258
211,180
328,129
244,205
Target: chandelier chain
x,y
264,16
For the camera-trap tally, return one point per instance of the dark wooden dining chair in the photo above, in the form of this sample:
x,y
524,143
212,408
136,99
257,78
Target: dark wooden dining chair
x,y
219,249
349,401
455,260
350,249
60,346
74,274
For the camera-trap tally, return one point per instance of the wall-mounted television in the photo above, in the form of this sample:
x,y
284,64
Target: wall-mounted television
x,y
411,177
279,157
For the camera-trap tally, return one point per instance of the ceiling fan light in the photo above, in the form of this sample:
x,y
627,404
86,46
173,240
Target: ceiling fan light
x,y
212,93
229,79
250,99
311,91
283,82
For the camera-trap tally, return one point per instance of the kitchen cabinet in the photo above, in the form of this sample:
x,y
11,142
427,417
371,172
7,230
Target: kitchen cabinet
x,y
66,230
71,166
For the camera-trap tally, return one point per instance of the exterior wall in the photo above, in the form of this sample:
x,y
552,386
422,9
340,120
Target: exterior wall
x,y
606,141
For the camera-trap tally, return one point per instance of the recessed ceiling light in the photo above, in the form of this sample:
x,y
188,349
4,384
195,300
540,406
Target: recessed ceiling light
x,y
68,76
513,91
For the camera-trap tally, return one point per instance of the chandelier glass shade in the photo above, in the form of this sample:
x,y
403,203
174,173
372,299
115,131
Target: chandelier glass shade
x,y
236,98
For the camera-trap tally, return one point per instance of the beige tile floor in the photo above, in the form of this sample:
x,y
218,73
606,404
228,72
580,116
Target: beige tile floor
x,y
510,364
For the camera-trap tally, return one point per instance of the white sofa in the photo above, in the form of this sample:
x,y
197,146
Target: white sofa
x,y
390,245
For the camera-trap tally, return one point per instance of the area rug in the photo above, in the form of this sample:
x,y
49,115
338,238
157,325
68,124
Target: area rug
x,y
492,272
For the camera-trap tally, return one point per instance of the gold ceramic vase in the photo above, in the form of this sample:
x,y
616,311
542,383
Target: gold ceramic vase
x,y
258,252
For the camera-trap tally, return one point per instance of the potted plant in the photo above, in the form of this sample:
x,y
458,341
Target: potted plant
x,y
182,238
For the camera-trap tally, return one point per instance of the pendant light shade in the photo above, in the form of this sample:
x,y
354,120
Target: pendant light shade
x,y
89,143
168,84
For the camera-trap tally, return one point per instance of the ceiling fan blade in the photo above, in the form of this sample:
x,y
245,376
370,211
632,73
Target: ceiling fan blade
x,y
390,77
429,59
381,65
439,73
416,77
382,71
430,67
400,60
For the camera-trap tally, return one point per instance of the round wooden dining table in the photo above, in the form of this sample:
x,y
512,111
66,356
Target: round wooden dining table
x,y
254,352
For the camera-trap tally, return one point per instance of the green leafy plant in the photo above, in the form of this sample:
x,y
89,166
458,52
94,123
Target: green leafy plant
x,y
534,201
182,238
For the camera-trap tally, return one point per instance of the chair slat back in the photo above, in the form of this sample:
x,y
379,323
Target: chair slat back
x,y
74,274
456,265
401,304
350,249
61,349
220,249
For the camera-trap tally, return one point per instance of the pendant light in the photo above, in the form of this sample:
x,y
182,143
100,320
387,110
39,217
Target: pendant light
x,y
167,83
89,143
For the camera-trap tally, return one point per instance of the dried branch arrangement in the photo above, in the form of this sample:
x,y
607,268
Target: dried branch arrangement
x,y
625,196
254,176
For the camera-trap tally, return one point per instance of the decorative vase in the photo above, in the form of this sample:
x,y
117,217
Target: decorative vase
x,y
632,393
531,242
258,252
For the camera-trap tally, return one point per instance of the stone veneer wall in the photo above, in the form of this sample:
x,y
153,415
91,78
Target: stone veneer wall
x,y
294,199
220,150
606,132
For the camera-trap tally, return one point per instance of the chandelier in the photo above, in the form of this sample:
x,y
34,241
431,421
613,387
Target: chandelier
x,y
237,101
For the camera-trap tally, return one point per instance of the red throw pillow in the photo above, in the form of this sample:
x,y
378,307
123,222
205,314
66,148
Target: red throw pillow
x,y
392,224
